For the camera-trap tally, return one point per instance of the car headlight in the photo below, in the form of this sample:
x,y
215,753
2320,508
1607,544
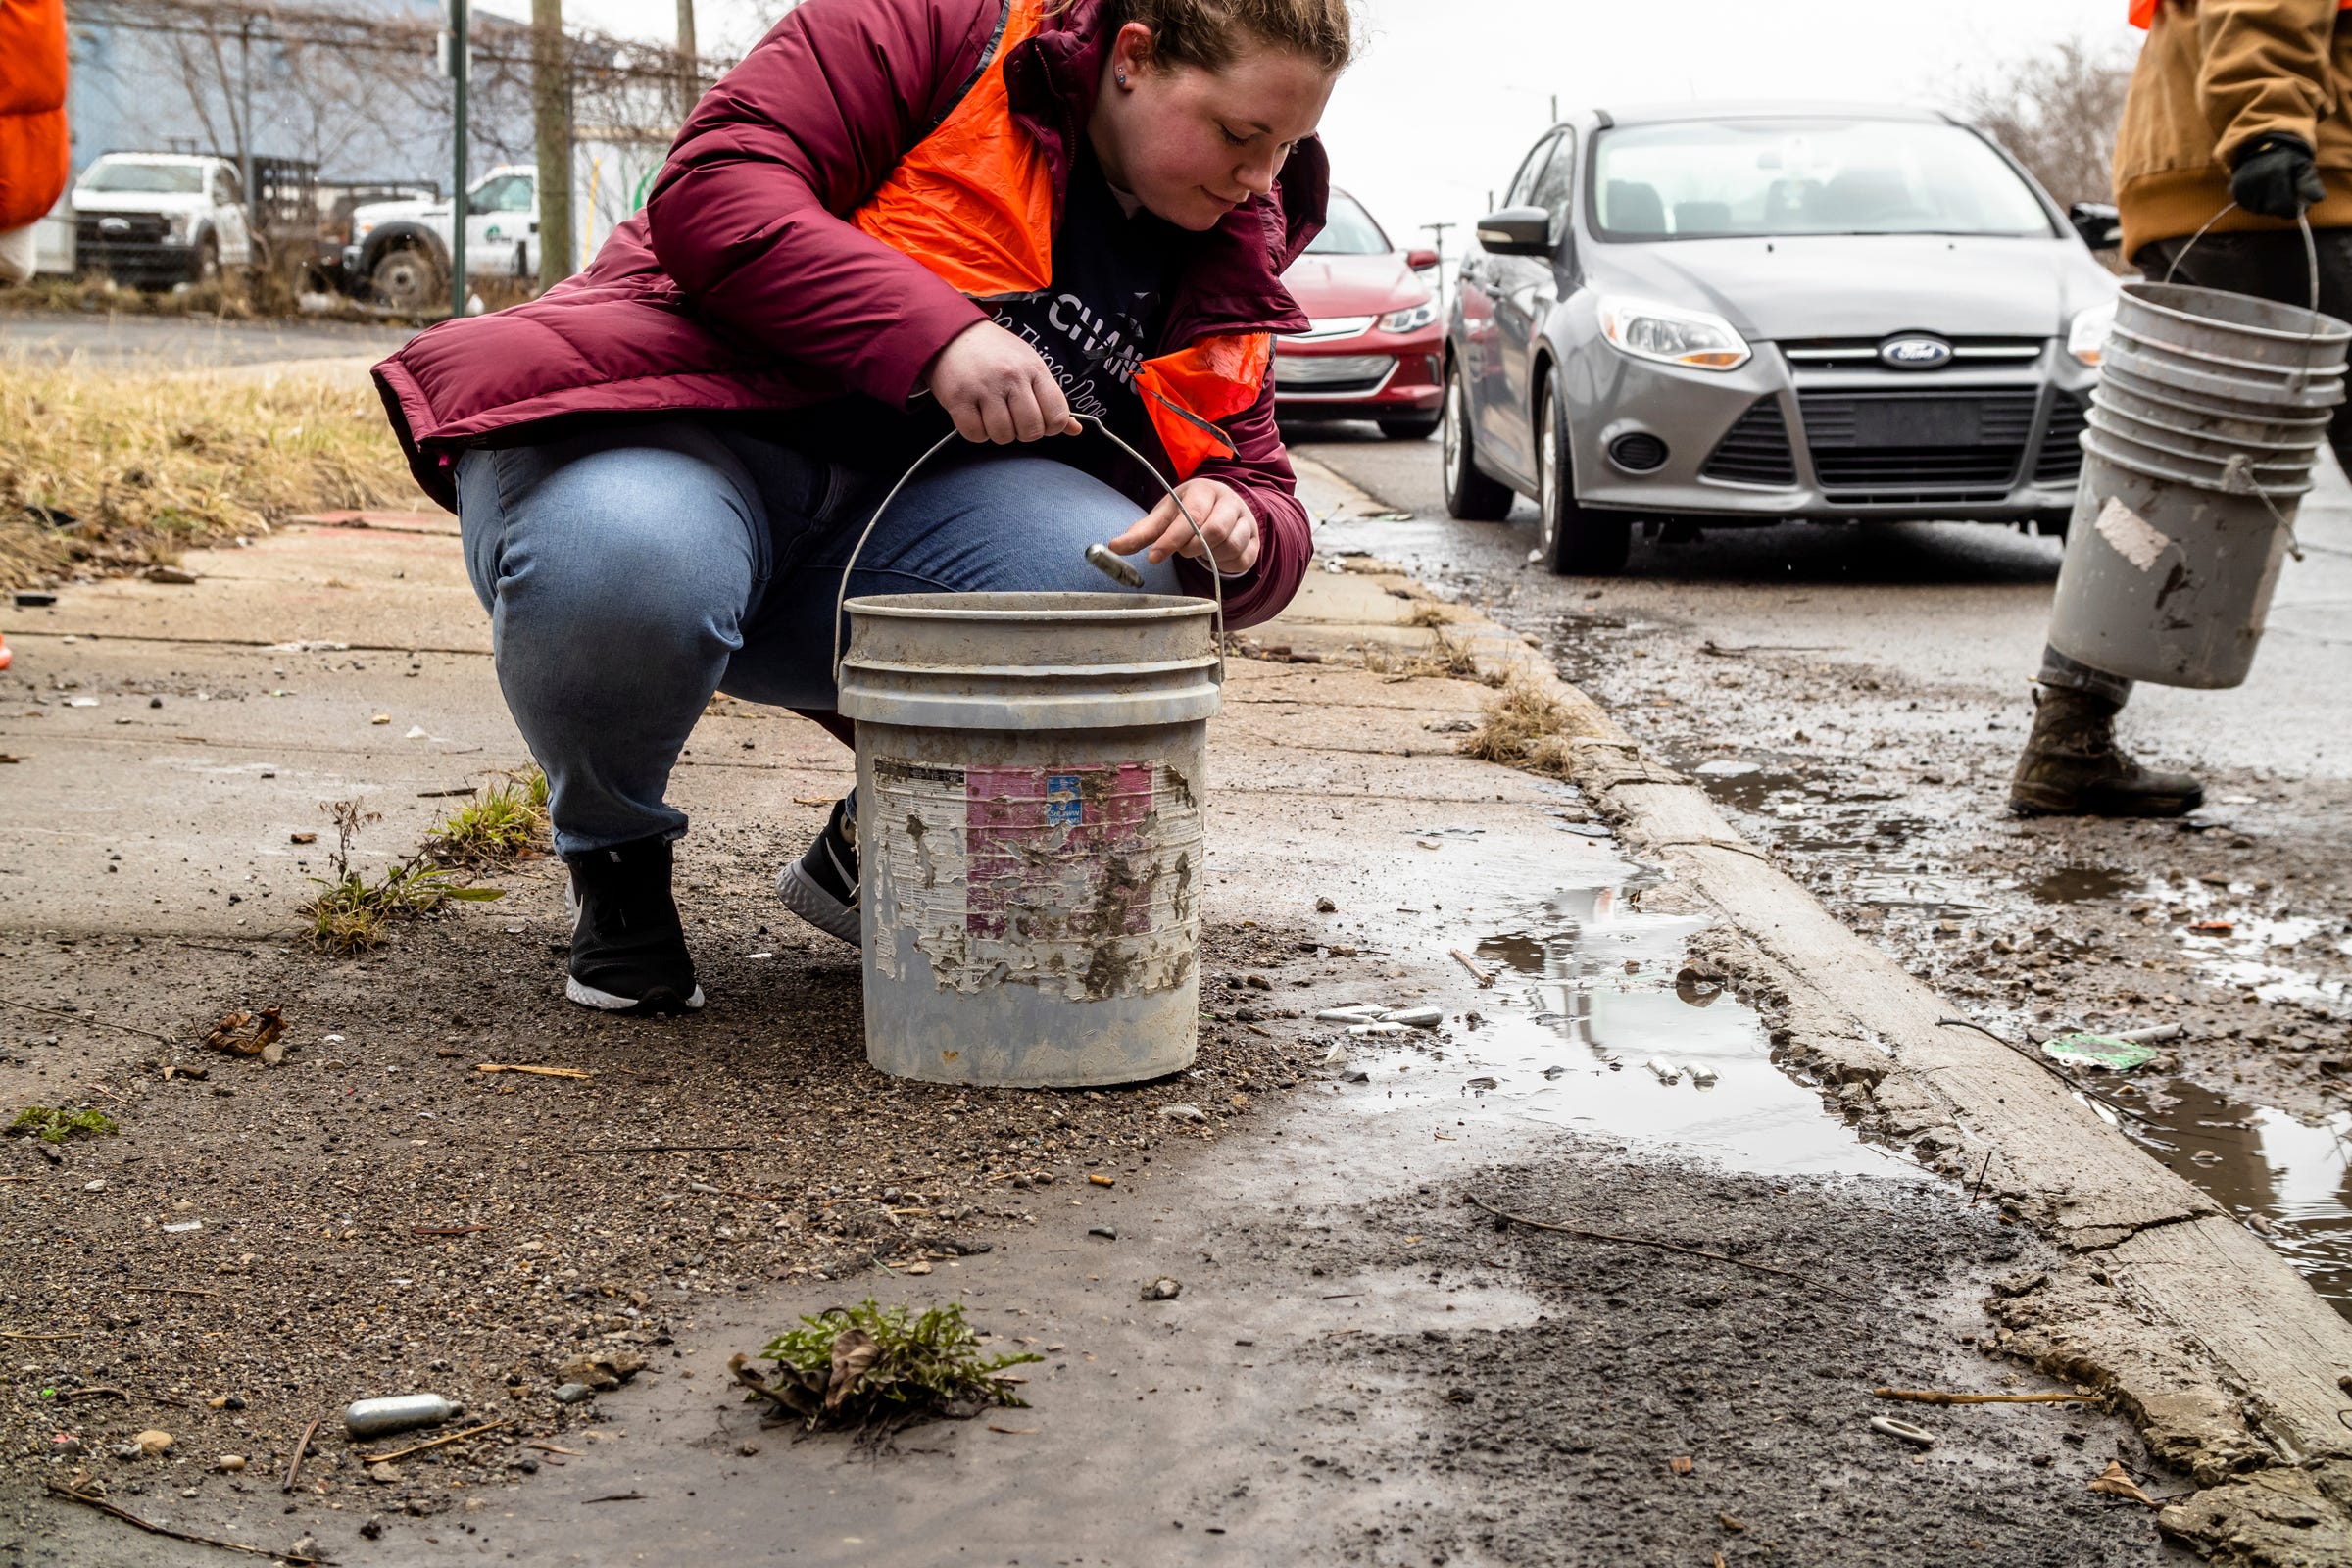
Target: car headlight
x,y
1411,319
182,226
1696,339
2087,334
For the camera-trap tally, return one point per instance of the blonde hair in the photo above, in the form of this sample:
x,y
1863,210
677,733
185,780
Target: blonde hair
x,y
1210,33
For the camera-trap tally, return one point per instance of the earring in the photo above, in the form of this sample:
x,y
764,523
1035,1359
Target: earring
x,y
1122,79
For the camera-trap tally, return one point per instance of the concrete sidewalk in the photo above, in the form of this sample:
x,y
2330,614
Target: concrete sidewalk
x,y
1346,1375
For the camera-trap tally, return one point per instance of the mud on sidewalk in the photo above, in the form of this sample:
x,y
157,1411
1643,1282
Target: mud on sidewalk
x,y
263,1242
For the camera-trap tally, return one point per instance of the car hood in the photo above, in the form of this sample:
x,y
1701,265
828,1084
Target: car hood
x,y
406,207
1863,285
1353,285
139,201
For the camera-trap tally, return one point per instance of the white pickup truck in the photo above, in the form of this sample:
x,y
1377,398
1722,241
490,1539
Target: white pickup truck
x,y
158,219
402,248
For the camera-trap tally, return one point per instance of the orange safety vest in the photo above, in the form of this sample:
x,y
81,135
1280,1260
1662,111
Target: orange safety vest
x,y
973,201
33,150
2144,12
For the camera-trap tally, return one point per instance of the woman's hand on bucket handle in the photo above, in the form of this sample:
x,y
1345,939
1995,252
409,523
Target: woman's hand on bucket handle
x,y
996,388
1225,519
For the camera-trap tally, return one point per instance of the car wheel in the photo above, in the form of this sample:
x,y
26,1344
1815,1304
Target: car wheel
x,y
408,279
1469,494
1574,541
1412,426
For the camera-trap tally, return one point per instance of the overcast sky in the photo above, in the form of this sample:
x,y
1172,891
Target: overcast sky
x,y
1447,94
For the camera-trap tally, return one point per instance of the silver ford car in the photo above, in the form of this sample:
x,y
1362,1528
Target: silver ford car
x,y
1740,313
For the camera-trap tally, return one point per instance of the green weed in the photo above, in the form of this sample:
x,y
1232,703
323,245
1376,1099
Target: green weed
x,y
498,825
56,1126
352,914
869,1368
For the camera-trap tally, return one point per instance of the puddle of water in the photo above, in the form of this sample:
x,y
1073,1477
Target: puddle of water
x,y
2082,884
2264,1164
1582,1027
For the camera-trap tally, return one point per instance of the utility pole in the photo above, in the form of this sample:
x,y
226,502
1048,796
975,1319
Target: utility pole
x,y
551,117
457,61
690,86
1437,233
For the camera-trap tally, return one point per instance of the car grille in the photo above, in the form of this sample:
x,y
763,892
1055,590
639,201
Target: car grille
x,y
1905,446
1849,354
133,252
1332,372
1755,449
2061,461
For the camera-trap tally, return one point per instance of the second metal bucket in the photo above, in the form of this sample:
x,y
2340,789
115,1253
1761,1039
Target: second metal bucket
x,y
1030,823
2193,464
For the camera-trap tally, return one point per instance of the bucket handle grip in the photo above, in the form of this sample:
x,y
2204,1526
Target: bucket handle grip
x,y
2311,254
1217,579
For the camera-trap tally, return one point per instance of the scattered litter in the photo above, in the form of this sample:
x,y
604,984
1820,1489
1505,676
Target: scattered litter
x,y
184,1227
1485,977
177,575
397,1413
1681,1465
31,599
415,733
2214,928
1702,1076
248,1034
1415,1018
1107,1232
1162,1289
1347,1014
81,702
2110,1053
2116,1482
535,1072
1381,1028
1888,1425
302,837
1181,1112
1667,1072
1097,1180
381,718
1335,1057
229,1463
747,956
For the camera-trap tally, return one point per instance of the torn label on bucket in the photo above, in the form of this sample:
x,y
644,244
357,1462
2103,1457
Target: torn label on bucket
x,y
1082,878
2135,538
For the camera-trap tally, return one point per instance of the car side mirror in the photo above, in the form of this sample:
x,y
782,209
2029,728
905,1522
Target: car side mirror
x,y
1421,260
1516,231
2098,222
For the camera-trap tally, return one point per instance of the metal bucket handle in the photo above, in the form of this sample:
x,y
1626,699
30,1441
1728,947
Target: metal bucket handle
x,y
1217,579
2311,254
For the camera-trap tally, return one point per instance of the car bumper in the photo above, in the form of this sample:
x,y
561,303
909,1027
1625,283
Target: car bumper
x,y
1993,442
1370,375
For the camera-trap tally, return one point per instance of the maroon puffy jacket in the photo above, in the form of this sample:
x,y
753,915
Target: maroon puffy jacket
x,y
741,287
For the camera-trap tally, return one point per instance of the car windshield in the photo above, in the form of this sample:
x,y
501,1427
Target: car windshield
x,y
1703,179
156,180
1348,230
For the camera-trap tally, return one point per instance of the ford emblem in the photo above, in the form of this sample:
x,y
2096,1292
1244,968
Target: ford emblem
x,y
113,226
1915,353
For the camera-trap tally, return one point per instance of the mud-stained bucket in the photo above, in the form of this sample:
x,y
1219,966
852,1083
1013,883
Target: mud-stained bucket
x,y
1030,820
2203,433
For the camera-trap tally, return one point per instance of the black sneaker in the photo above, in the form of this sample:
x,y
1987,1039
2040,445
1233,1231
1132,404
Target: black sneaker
x,y
628,951
821,886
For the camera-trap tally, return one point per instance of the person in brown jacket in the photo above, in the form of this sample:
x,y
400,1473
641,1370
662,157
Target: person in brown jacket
x,y
2239,117
35,159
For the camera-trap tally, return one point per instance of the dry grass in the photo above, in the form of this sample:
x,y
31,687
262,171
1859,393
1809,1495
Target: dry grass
x,y
104,472
1444,659
503,823
1523,727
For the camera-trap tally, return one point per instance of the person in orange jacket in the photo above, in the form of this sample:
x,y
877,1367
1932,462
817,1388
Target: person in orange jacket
x,y
35,159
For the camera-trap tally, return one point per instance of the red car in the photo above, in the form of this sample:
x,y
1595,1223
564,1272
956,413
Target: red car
x,y
1375,350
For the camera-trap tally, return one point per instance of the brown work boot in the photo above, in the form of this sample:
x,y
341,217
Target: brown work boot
x,y
2071,767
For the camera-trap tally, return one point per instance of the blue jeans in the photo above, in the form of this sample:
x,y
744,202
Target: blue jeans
x,y
630,573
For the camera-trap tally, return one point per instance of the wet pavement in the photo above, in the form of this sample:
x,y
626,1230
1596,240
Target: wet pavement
x,y
185,342
1854,698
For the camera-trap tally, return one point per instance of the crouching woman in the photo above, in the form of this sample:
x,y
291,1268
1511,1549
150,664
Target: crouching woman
x,y
895,219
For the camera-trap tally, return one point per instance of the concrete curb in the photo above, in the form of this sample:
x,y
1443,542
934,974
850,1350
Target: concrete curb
x,y
2194,1326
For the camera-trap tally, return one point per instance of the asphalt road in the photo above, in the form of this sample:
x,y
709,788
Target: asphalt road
x,y
1959,606
185,342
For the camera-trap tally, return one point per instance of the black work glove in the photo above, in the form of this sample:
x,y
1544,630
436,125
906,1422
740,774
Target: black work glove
x,y
2275,177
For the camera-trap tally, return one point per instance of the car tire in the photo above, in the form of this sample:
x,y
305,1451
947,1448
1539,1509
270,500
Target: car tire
x,y
1469,494
407,279
1412,426
1573,541
207,267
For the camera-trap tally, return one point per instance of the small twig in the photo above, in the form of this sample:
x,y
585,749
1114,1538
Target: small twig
x,y
548,1447
78,1017
69,1395
1976,1188
445,1230
119,1099
536,1072
1669,1247
166,1289
660,1149
294,1467
1938,1396
1483,977
617,1497
12,1334
2046,1065
168,1532
453,1436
